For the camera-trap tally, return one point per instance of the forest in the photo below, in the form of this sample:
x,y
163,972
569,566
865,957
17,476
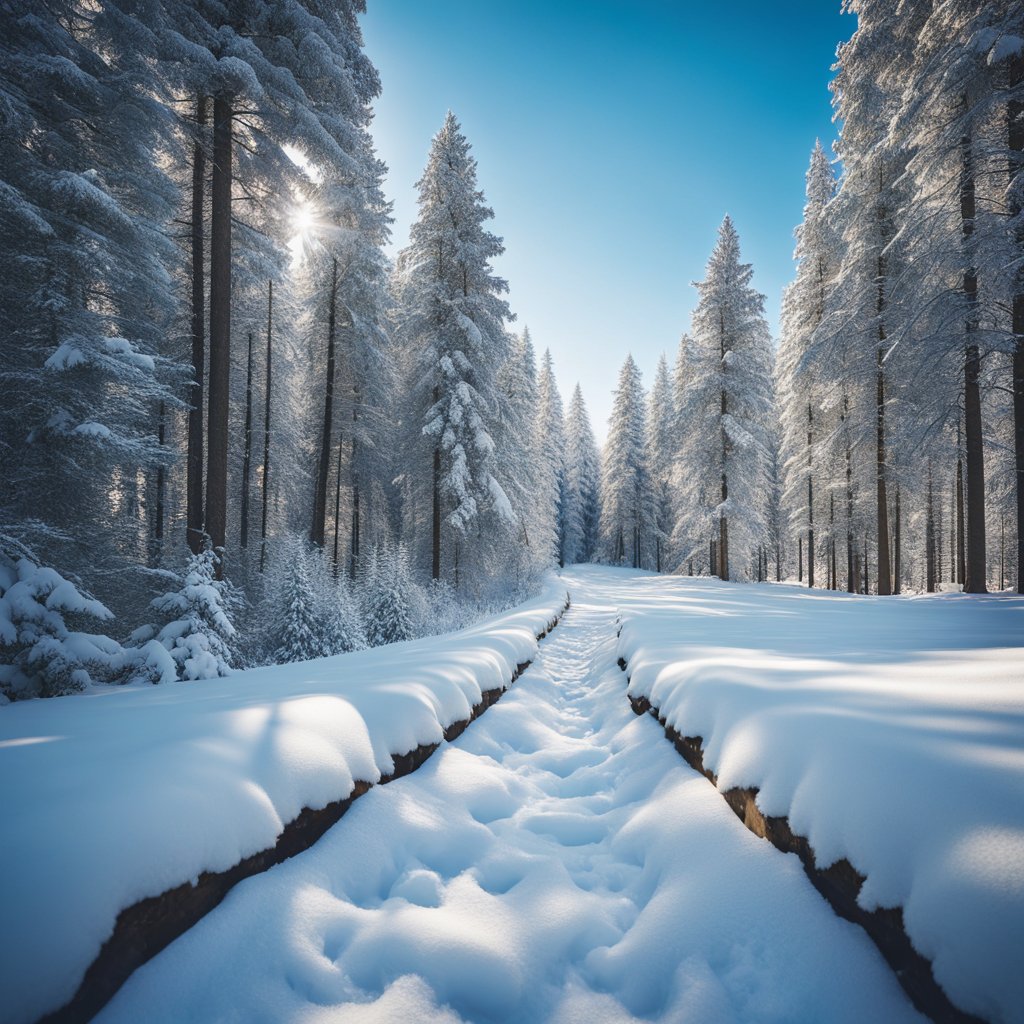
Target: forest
x,y
236,432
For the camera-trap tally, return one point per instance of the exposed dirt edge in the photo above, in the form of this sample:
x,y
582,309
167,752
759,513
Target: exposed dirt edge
x,y
145,928
839,883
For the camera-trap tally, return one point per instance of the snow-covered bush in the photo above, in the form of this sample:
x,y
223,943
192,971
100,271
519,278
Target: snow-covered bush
x,y
197,634
341,623
308,612
390,597
41,654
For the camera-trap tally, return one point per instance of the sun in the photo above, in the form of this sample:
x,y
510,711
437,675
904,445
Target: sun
x,y
303,222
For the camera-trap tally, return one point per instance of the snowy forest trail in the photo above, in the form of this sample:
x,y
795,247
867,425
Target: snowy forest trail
x,y
558,862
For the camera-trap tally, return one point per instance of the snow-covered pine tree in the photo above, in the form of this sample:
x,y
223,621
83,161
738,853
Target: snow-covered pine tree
x,y
388,599
956,115
339,622
452,318
583,484
802,381
84,290
548,455
41,653
515,467
197,629
728,404
299,632
661,456
627,513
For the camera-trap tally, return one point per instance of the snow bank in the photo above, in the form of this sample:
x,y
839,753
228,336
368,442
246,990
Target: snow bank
x,y
113,796
558,863
889,731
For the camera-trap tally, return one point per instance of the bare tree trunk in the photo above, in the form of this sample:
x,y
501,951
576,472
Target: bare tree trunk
x,y
800,558
220,328
435,569
867,582
929,536
961,561
161,486
832,582
337,511
884,569
243,535
1015,138
713,563
266,425
356,509
319,525
897,584
975,577
194,461
810,497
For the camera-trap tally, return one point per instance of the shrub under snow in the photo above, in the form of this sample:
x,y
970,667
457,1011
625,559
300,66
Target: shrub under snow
x,y
41,654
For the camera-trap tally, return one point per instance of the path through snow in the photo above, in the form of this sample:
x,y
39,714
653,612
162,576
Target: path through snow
x,y
558,862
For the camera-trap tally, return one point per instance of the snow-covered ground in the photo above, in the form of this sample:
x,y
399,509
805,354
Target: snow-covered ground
x,y
890,731
558,862
126,792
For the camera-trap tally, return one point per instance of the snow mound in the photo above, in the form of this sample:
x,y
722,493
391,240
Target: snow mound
x,y
126,793
890,731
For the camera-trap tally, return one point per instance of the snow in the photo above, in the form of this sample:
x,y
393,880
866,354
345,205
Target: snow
x,y
890,731
125,793
559,862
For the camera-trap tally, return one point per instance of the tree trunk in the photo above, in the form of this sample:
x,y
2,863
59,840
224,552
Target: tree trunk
x,y
319,525
975,576
884,568
929,536
810,497
161,485
897,585
356,509
961,561
867,582
243,534
337,510
435,535
194,460
832,582
1015,138
713,563
800,558
220,329
266,425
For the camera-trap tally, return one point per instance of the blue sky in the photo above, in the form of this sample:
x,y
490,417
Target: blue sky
x,y
611,138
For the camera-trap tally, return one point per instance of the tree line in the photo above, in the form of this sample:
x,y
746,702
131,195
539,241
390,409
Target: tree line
x,y
236,431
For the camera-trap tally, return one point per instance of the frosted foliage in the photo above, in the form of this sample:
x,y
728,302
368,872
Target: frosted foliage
x,y
389,598
312,612
41,654
726,410
453,325
627,512
198,633
549,458
583,483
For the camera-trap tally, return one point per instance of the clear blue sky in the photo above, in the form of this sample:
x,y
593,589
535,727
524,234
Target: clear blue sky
x,y
611,139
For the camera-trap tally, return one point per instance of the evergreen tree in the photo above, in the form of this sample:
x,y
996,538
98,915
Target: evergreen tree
x,y
41,654
583,482
627,514
548,455
197,632
388,599
661,456
453,319
727,409
805,305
